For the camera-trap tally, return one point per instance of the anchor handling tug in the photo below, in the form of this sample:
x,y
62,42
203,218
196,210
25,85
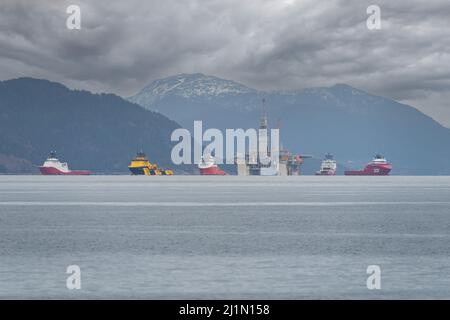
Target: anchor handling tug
x,y
140,165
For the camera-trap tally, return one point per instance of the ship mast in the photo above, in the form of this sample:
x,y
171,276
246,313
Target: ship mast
x,y
263,132
263,120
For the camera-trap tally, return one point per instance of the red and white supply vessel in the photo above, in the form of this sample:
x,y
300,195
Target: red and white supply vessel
x,y
328,166
377,167
52,166
209,167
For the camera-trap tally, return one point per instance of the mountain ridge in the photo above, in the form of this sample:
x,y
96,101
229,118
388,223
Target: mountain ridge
x,y
93,131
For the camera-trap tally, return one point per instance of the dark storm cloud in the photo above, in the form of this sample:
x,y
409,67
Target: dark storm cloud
x,y
273,44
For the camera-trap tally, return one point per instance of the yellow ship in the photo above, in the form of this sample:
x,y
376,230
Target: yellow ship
x,y
140,165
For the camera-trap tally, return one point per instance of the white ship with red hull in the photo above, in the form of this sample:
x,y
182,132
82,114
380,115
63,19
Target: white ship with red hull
x,y
377,167
209,167
52,166
328,166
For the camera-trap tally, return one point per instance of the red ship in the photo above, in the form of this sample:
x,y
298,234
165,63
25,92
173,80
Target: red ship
x,y
377,167
52,166
208,167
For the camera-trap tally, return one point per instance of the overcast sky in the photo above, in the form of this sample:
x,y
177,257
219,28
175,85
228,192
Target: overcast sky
x,y
265,44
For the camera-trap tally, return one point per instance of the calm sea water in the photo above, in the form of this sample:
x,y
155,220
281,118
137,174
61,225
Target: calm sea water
x,y
224,237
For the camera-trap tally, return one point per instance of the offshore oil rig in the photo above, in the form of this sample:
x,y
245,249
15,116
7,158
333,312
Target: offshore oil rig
x,y
288,164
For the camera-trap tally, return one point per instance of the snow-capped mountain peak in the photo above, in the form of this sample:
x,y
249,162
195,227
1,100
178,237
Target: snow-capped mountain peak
x,y
189,86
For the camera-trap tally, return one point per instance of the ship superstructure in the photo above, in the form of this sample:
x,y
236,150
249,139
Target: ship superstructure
x,y
328,166
140,165
377,167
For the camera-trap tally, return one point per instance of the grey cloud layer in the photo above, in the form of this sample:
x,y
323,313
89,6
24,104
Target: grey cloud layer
x,y
273,44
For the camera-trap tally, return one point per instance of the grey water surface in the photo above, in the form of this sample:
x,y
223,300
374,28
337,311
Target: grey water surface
x,y
194,237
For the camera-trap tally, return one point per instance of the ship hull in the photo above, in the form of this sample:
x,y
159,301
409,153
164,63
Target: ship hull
x,y
143,171
50,171
371,170
326,173
212,171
